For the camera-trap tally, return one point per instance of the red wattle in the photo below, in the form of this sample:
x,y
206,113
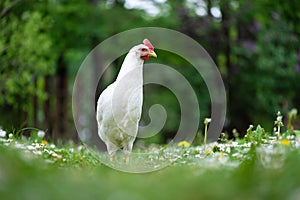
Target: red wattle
x,y
145,57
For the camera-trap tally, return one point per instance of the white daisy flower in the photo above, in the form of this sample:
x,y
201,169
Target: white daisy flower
x,y
2,133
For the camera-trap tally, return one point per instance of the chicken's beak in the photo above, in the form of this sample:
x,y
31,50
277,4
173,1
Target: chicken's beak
x,y
152,53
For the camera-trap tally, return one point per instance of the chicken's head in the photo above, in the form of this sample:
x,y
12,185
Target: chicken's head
x,y
145,50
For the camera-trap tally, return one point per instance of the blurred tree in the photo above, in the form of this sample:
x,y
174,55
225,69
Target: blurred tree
x,y
43,43
259,74
264,76
24,47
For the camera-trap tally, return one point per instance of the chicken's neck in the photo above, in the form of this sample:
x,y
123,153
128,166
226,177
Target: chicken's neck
x,y
132,67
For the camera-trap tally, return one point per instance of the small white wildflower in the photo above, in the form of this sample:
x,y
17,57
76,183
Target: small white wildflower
x,y
207,120
30,147
47,151
221,147
55,155
80,147
52,146
272,137
2,133
279,118
41,134
37,152
37,145
10,135
19,146
197,156
247,144
2,140
290,137
223,158
228,149
234,144
237,155
51,152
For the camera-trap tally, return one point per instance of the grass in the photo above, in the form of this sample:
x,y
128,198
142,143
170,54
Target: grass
x,y
259,166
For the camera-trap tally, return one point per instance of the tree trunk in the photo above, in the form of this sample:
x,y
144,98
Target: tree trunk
x,y
209,6
61,91
48,113
35,105
238,110
97,66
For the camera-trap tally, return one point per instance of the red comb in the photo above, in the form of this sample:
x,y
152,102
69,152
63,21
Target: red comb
x,y
148,44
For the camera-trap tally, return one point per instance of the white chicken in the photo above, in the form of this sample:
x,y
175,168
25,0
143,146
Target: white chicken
x,y
119,106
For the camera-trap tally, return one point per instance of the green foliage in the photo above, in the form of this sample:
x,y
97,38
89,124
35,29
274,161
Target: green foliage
x,y
25,59
155,94
223,138
292,116
255,136
266,65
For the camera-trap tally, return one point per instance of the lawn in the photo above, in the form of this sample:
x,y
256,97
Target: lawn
x,y
259,166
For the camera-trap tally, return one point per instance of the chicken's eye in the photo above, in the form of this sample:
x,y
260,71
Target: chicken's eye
x,y
144,49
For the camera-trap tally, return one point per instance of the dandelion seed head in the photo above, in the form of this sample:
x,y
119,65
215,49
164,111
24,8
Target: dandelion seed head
x,y
41,134
279,118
